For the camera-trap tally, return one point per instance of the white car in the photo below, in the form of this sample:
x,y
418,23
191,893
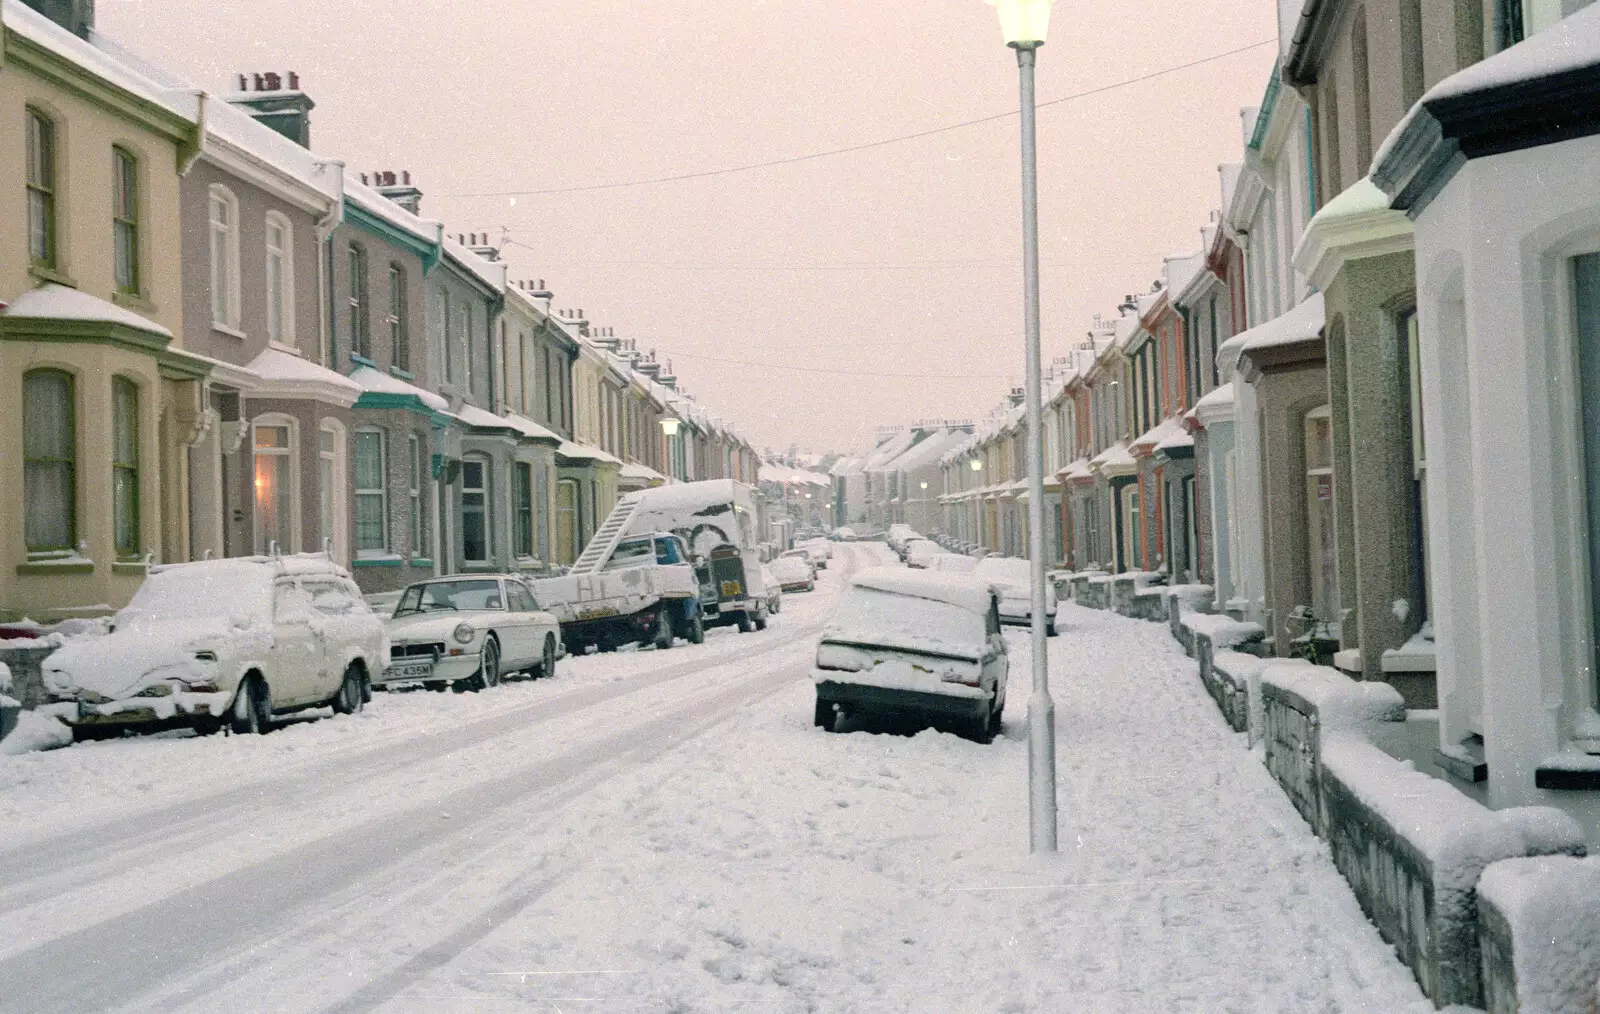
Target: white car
x,y
1013,579
910,644
793,573
952,563
920,553
237,640
470,631
820,550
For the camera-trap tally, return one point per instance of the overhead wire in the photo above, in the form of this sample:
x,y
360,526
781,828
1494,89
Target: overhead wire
x,y
812,156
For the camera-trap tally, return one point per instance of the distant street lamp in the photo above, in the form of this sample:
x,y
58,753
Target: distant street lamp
x,y
669,426
977,465
1024,23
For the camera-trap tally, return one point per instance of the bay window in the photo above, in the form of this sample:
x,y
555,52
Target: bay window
x,y
49,461
475,510
274,485
371,495
125,467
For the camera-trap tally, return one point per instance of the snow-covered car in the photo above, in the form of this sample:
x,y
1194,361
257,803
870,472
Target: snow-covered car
x,y
470,631
774,590
899,535
914,645
793,573
802,555
844,533
237,640
820,550
920,552
1013,579
952,563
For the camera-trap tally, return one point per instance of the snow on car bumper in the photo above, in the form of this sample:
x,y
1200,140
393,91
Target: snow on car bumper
x,y
970,703
144,710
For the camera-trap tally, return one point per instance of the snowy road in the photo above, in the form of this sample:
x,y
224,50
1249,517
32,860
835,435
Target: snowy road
x,y
667,832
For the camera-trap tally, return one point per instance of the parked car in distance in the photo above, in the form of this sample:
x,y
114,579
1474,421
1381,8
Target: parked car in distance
x,y
774,590
238,641
914,645
952,563
1013,579
844,533
919,552
794,573
470,631
803,555
821,551
898,536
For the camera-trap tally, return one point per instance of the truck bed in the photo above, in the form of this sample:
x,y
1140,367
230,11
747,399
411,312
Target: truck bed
x,y
579,597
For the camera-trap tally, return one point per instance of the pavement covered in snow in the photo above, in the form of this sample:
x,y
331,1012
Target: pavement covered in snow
x,y
668,832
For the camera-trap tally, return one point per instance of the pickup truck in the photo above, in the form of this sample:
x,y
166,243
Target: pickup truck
x,y
646,591
667,562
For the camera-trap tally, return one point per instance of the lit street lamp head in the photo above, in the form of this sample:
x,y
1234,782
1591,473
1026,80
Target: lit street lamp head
x,y
669,426
977,465
1024,23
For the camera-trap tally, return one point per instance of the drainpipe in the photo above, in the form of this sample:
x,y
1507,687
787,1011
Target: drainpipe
x,y
324,232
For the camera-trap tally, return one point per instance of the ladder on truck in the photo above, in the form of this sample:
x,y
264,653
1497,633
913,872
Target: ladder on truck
x,y
596,554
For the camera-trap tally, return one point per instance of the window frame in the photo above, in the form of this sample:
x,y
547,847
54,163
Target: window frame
x,y
226,284
280,310
523,504
42,152
479,506
414,492
398,319
125,470
359,302
70,404
380,492
125,194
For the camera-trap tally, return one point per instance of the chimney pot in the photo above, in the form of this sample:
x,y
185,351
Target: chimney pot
x,y
405,174
294,81
244,83
363,179
258,82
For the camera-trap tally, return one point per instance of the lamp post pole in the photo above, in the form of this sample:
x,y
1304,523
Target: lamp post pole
x,y
1041,709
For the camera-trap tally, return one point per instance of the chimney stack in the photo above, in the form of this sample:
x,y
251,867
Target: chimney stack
x,y
276,101
398,188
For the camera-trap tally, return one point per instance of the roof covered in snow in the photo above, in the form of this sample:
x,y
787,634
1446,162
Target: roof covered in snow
x,y
280,369
584,452
58,302
1302,323
379,382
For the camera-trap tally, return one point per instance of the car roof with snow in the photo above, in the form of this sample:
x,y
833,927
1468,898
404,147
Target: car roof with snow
x,y
252,567
961,590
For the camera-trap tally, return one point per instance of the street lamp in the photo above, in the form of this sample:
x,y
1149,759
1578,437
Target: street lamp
x,y
1024,23
977,465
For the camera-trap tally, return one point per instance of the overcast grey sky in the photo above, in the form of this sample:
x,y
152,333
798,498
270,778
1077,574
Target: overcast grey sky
x,y
882,264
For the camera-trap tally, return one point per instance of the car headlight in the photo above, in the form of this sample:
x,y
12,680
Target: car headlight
x,y
464,633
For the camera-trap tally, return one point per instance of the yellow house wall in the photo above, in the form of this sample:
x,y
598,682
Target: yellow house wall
x,y
93,367
86,132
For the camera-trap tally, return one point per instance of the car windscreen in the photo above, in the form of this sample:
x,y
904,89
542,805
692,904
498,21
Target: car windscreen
x,y
868,616
450,596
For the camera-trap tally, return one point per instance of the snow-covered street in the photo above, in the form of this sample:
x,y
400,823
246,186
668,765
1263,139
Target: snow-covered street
x,y
669,832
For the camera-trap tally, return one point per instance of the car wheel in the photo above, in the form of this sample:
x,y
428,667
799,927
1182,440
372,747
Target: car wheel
x,y
697,632
982,729
252,708
547,667
761,619
664,630
745,623
1050,629
348,701
488,675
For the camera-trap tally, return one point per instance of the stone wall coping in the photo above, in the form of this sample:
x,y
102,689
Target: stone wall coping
x,y
1224,631
1547,903
1342,704
1237,665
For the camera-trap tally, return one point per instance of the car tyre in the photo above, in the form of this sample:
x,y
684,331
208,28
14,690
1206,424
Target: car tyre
x,y
697,632
1050,629
547,665
251,714
488,675
761,619
349,700
745,623
664,633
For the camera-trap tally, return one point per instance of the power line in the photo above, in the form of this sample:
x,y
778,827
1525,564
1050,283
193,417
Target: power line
x,y
650,181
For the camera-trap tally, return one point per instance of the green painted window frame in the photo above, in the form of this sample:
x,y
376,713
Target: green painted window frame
x,y
524,493
399,333
33,456
368,441
125,468
360,331
125,219
41,185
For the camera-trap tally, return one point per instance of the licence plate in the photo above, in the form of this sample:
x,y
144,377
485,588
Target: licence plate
x,y
410,670
732,589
